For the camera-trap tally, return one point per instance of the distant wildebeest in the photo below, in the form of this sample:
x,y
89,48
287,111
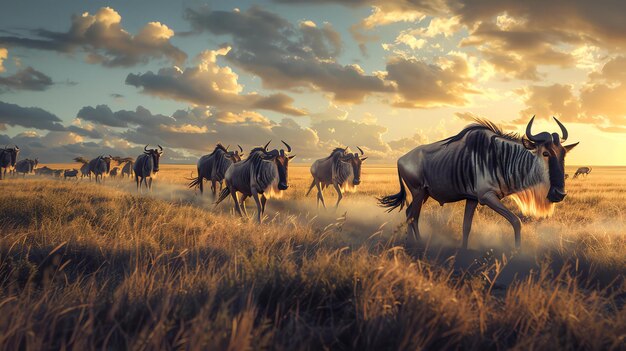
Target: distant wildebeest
x,y
482,165
100,166
45,171
127,169
70,173
146,166
113,172
26,166
582,171
566,176
8,158
341,169
263,172
84,169
213,166
57,173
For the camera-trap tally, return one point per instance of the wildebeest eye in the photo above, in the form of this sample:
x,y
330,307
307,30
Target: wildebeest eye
x,y
546,154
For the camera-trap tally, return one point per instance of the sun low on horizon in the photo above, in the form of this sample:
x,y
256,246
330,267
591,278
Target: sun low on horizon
x,y
85,78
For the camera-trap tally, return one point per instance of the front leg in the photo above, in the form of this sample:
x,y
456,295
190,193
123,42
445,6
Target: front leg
x,y
470,209
490,199
263,201
243,204
339,195
255,195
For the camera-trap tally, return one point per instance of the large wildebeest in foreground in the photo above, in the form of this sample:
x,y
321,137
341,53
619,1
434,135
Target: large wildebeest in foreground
x,y
26,166
582,171
100,166
342,169
146,166
482,165
263,173
8,158
213,166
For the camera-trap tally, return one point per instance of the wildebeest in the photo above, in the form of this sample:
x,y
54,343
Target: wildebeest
x,y
70,173
26,166
263,172
213,166
113,172
8,158
146,166
341,169
482,165
100,166
566,176
582,171
127,169
84,169
45,170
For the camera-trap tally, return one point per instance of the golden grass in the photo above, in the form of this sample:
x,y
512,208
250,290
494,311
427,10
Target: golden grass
x,y
86,266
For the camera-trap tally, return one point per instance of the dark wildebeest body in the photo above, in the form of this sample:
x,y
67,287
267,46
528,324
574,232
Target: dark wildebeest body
x,y
582,171
26,166
263,173
341,169
127,169
70,173
100,166
213,166
84,169
8,158
482,165
113,172
146,166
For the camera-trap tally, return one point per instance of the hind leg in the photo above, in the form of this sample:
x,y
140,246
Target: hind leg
x,y
413,215
320,195
236,201
263,201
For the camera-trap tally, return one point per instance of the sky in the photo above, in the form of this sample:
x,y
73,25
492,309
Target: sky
x,y
85,78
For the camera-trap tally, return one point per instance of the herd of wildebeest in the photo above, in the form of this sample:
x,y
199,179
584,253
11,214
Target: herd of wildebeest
x,y
481,164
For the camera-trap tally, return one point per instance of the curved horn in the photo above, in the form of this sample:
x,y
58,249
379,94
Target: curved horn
x,y
563,129
529,134
160,147
145,148
240,148
287,145
227,147
266,145
16,148
362,153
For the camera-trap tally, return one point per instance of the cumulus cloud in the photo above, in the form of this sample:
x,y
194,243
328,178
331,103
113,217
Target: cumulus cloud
x,y
26,79
29,117
422,85
104,41
208,83
288,56
4,53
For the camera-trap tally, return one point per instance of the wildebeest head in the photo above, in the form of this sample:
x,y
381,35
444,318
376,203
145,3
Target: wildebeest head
x,y
355,161
235,156
549,147
281,158
13,151
155,154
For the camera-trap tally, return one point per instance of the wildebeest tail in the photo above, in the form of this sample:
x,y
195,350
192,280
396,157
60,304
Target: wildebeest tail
x,y
223,195
195,181
394,201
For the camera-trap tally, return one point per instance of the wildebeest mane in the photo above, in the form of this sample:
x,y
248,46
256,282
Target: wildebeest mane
x,y
219,146
506,160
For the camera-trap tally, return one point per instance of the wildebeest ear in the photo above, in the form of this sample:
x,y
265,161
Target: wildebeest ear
x,y
290,157
569,147
528,144
363,159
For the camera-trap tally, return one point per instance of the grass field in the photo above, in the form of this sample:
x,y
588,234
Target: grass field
x,y
100,266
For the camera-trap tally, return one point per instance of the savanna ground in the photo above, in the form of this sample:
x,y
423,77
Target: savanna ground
x,y
87,266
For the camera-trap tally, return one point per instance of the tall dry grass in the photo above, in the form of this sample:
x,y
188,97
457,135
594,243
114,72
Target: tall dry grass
x,y
84,266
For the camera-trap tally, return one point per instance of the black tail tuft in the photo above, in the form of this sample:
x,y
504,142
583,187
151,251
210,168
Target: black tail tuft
x,y
394,201
194,182
223,195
